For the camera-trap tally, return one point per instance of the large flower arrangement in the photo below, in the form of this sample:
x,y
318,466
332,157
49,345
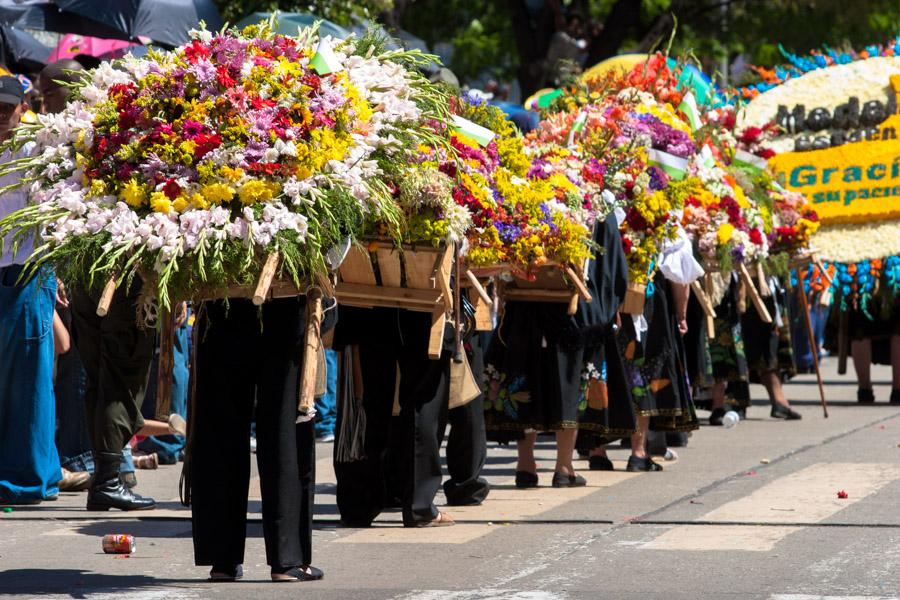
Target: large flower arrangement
x,y
191,166
725,224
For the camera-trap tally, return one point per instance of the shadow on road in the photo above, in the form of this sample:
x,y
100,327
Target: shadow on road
x,y
74,582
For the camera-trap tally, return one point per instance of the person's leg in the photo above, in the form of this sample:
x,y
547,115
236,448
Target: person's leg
x,y
525,453
861,351
895,362
220,443
639,459
29,462
306,460
781,408
466,453
326,406
361,483
424,385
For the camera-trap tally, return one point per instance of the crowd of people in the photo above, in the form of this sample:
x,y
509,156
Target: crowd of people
x,y
78,411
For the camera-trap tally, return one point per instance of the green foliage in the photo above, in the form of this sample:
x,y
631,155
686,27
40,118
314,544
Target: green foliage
x,y
342,12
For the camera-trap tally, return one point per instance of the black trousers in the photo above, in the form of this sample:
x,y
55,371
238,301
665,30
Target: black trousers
x,y
467,443
244,353
361,487
116,354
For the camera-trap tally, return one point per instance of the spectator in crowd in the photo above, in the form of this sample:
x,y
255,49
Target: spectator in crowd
x,y
29,464
326,405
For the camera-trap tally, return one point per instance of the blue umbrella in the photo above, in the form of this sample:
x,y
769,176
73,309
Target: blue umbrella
x,y
166,22
288,23
21,52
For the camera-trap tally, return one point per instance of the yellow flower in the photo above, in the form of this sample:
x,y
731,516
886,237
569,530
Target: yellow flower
x,y
98,188
160,203
724,233
217,193
230,174
198,201
181,203
133,193
255,191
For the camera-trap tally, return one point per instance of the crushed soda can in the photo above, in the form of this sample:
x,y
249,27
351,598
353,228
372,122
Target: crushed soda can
x,y
118,543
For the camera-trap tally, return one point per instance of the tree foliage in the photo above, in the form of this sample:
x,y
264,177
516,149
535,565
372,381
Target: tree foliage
x,y
512,38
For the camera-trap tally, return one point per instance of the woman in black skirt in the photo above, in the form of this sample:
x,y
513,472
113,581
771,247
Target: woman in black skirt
x,y
541,360
769,351
248,353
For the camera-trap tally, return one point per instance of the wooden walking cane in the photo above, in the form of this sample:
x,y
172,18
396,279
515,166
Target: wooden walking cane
x,y
166,364
107,295
814,348
312,343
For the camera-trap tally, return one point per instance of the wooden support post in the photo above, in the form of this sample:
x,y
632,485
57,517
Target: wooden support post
x,y
710,319
764,289
754,295
476,285
166,364
265,279
814,348
107,295
436,335
311,345
579,284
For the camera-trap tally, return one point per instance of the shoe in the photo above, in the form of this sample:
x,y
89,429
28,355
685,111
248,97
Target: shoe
x,y
636,464
561,480
74,481
525,479
301,573
107,490
226,574
146,461
895,396
779,411
325,437
600,463
177,425
442,520
866,395
715,419
741,412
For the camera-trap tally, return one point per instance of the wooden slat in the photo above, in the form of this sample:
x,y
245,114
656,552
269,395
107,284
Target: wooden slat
x,y
515,294
389,266
436,335
420,268
754,294
483,320
357,267
265,279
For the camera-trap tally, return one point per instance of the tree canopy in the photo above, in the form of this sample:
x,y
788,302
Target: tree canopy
x,y
525,39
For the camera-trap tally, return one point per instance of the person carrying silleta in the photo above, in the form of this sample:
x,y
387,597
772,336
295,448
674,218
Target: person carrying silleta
x,y
247,353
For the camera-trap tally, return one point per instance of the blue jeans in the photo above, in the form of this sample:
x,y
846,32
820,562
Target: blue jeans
x,y
326,406
169,447
72,438
29,464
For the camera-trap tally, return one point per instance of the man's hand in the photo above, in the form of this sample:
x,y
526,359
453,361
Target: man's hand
x,y
62,298
181,314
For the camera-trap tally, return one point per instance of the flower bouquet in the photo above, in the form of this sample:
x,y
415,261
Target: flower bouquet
x,y
195,167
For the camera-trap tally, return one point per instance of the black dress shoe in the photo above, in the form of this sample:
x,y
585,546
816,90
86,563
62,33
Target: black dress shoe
x,y
636,464
715,419
307,573
107,490
779,411
526,479
895,396
225,574
561,480
600,463
866,395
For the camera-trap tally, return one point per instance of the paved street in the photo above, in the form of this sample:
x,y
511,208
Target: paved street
x,y
750,512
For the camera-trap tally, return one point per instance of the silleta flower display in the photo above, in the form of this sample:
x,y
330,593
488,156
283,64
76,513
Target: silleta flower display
x,y
190,166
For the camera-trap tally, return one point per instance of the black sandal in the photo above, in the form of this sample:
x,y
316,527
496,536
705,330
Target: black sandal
x,y
301,573
600,463
525,479
636,464
226,574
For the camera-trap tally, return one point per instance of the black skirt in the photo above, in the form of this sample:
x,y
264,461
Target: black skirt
x,y
656,366
768,346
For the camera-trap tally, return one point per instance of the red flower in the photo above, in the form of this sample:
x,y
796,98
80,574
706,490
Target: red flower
x,y
224,77
196,51
206,143
171,189
842,495
756,237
